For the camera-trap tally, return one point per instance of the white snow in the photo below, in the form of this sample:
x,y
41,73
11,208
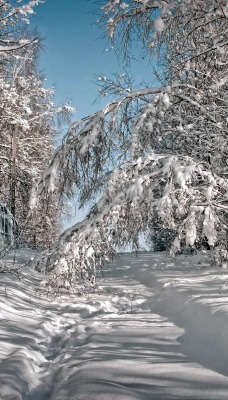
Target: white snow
x,y
154,328
159,24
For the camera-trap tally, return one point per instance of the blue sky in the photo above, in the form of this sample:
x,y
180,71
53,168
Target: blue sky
x,y
74,52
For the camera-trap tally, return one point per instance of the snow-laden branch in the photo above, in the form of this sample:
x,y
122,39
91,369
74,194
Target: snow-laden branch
x,y
82,161
18,46
177,188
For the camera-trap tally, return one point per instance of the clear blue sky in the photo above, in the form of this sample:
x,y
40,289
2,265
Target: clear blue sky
x,y
74,52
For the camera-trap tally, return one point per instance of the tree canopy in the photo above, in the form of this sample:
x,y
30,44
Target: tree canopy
x,y
27,125
153,153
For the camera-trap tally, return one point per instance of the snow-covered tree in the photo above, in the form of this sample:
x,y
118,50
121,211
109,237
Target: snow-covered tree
x,y
27,125
27,120
13,15
154,152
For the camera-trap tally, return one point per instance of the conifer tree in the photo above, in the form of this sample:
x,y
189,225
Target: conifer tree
x,y
27,125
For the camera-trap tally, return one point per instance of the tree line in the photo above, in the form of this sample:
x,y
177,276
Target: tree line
x,y
28,125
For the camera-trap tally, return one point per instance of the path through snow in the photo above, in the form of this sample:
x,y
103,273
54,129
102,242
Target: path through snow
x,y
156,329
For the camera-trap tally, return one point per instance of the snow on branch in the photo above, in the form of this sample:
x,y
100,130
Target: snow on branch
x,y
21,44
28,8
84,157
154,21
178,189
12,14
123,129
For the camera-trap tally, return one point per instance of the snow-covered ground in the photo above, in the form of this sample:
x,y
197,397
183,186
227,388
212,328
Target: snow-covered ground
x,y
155,328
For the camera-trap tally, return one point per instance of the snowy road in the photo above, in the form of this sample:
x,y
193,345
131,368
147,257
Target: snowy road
x,y
151,332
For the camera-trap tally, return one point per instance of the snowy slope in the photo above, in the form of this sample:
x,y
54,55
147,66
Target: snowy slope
x,y
154,329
